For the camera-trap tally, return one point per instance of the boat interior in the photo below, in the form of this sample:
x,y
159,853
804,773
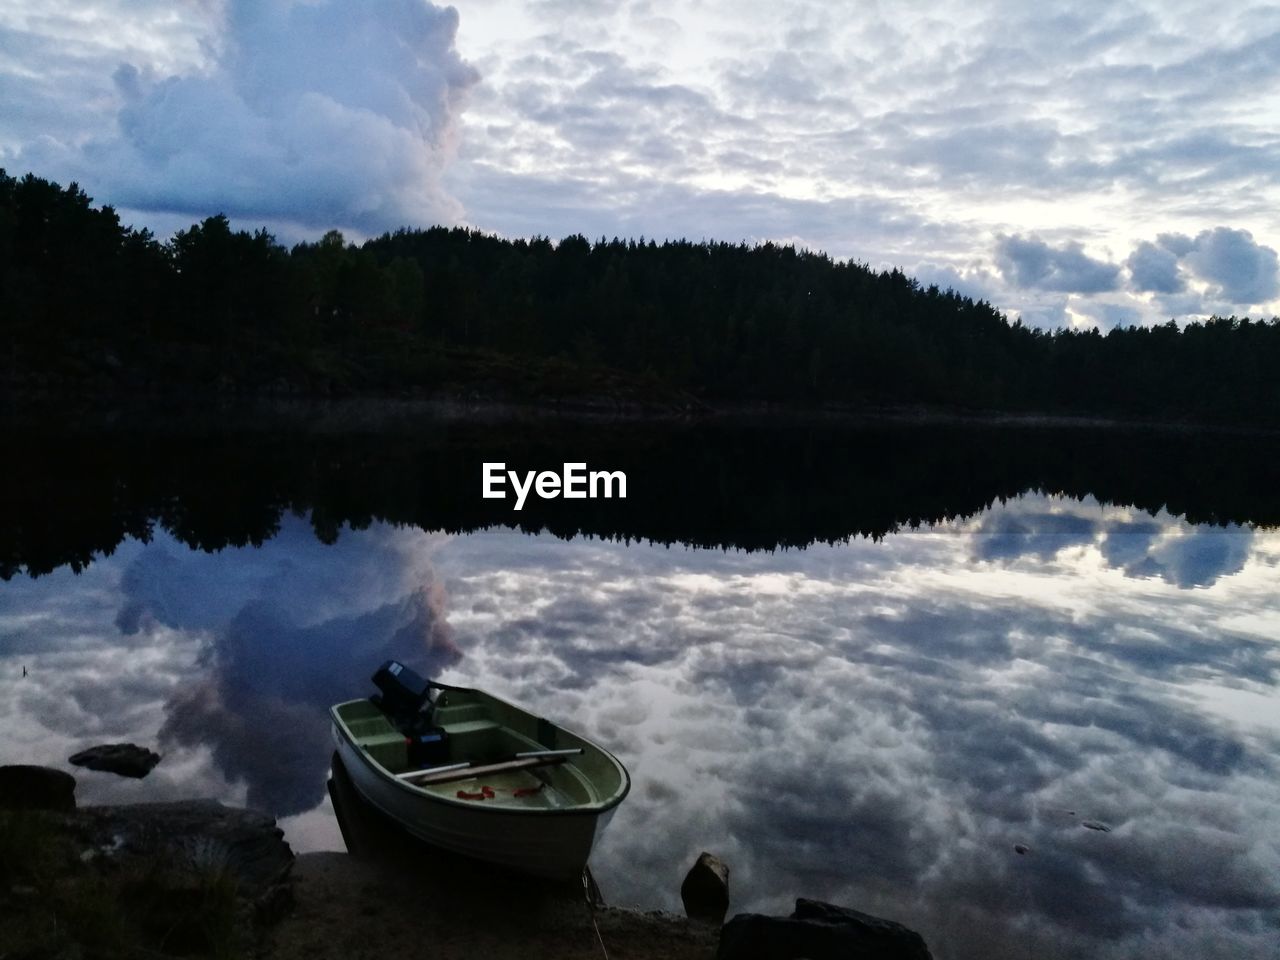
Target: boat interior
x,y
483,731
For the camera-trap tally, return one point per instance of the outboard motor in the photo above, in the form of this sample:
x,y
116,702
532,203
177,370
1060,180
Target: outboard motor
x,y
404,693
406,698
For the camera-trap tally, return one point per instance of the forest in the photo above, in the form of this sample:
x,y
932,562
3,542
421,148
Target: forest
x,y
233,479
92,307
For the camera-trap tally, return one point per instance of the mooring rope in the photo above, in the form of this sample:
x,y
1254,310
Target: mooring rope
x,y
589,891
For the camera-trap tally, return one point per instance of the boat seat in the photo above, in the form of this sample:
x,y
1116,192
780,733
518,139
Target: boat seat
x,y
469,726
368,727
388,749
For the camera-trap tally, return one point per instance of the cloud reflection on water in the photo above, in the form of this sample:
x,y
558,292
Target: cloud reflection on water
x,y
876,723
880,723
1142,546
288,642
268,637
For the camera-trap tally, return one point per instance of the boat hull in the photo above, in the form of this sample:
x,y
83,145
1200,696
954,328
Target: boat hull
x,y
552,843
548,846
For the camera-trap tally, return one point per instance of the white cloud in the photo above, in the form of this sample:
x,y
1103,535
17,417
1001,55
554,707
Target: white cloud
x,y
893,717
894,137
320,114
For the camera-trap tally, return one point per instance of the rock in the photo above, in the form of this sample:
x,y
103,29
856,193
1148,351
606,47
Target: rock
x,y
186,879
705,890
200,833
819,931
1021,848
126,759
27,787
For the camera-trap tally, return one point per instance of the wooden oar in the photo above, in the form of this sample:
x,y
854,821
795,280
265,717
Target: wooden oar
x,y
465,771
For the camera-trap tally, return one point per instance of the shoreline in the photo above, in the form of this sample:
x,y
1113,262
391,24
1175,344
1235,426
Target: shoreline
x,y
199,878
320,414
363,908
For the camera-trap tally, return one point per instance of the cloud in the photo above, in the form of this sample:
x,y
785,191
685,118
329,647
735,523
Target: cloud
x,y
892,138
656,210
1175,551
1006,534
1229,269
883,737
1237,270
973,282
1155,269
1241,270
1031,263
873,723
262,707
292,627
314,114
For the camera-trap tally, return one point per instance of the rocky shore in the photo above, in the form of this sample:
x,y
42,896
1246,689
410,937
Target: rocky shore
x,y
196,878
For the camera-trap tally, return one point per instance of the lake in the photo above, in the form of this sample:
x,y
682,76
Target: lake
x,y
1015,686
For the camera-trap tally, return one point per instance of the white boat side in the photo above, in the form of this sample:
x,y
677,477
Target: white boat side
x,y
542,821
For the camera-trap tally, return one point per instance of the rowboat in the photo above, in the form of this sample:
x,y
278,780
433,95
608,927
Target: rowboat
x,y
474,774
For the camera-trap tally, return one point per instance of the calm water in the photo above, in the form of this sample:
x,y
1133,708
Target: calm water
x,y
876,721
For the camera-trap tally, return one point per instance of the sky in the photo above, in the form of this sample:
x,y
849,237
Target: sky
x,y
1085,164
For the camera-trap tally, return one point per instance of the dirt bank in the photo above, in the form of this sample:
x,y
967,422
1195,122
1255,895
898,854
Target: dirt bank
x,y
361,909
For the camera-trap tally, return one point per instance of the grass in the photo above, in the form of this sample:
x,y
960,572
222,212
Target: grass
x,y
57,903
28,846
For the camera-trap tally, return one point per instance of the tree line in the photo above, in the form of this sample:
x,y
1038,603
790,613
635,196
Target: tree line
x,y
67,497
88,303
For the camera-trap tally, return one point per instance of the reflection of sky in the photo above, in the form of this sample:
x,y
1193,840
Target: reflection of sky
x,y
872,723
227,659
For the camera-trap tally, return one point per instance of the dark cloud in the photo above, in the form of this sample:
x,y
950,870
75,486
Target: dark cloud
x,y
1154,268
262,708
1238,270
1004,535
1200,558
1182,555
1031,263
292,628
1243,271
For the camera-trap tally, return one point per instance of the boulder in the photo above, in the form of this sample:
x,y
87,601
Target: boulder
x,y
705,890
190,878
126,759
26,787
819,931
203,834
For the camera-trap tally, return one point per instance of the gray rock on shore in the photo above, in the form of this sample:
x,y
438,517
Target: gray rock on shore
x,y
189,878
819,931
126,759
245,843
705,891
28,787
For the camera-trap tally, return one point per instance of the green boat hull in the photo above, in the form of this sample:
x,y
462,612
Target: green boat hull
x,y
540,817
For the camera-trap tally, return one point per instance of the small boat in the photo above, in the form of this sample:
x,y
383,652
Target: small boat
x,y
477,775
